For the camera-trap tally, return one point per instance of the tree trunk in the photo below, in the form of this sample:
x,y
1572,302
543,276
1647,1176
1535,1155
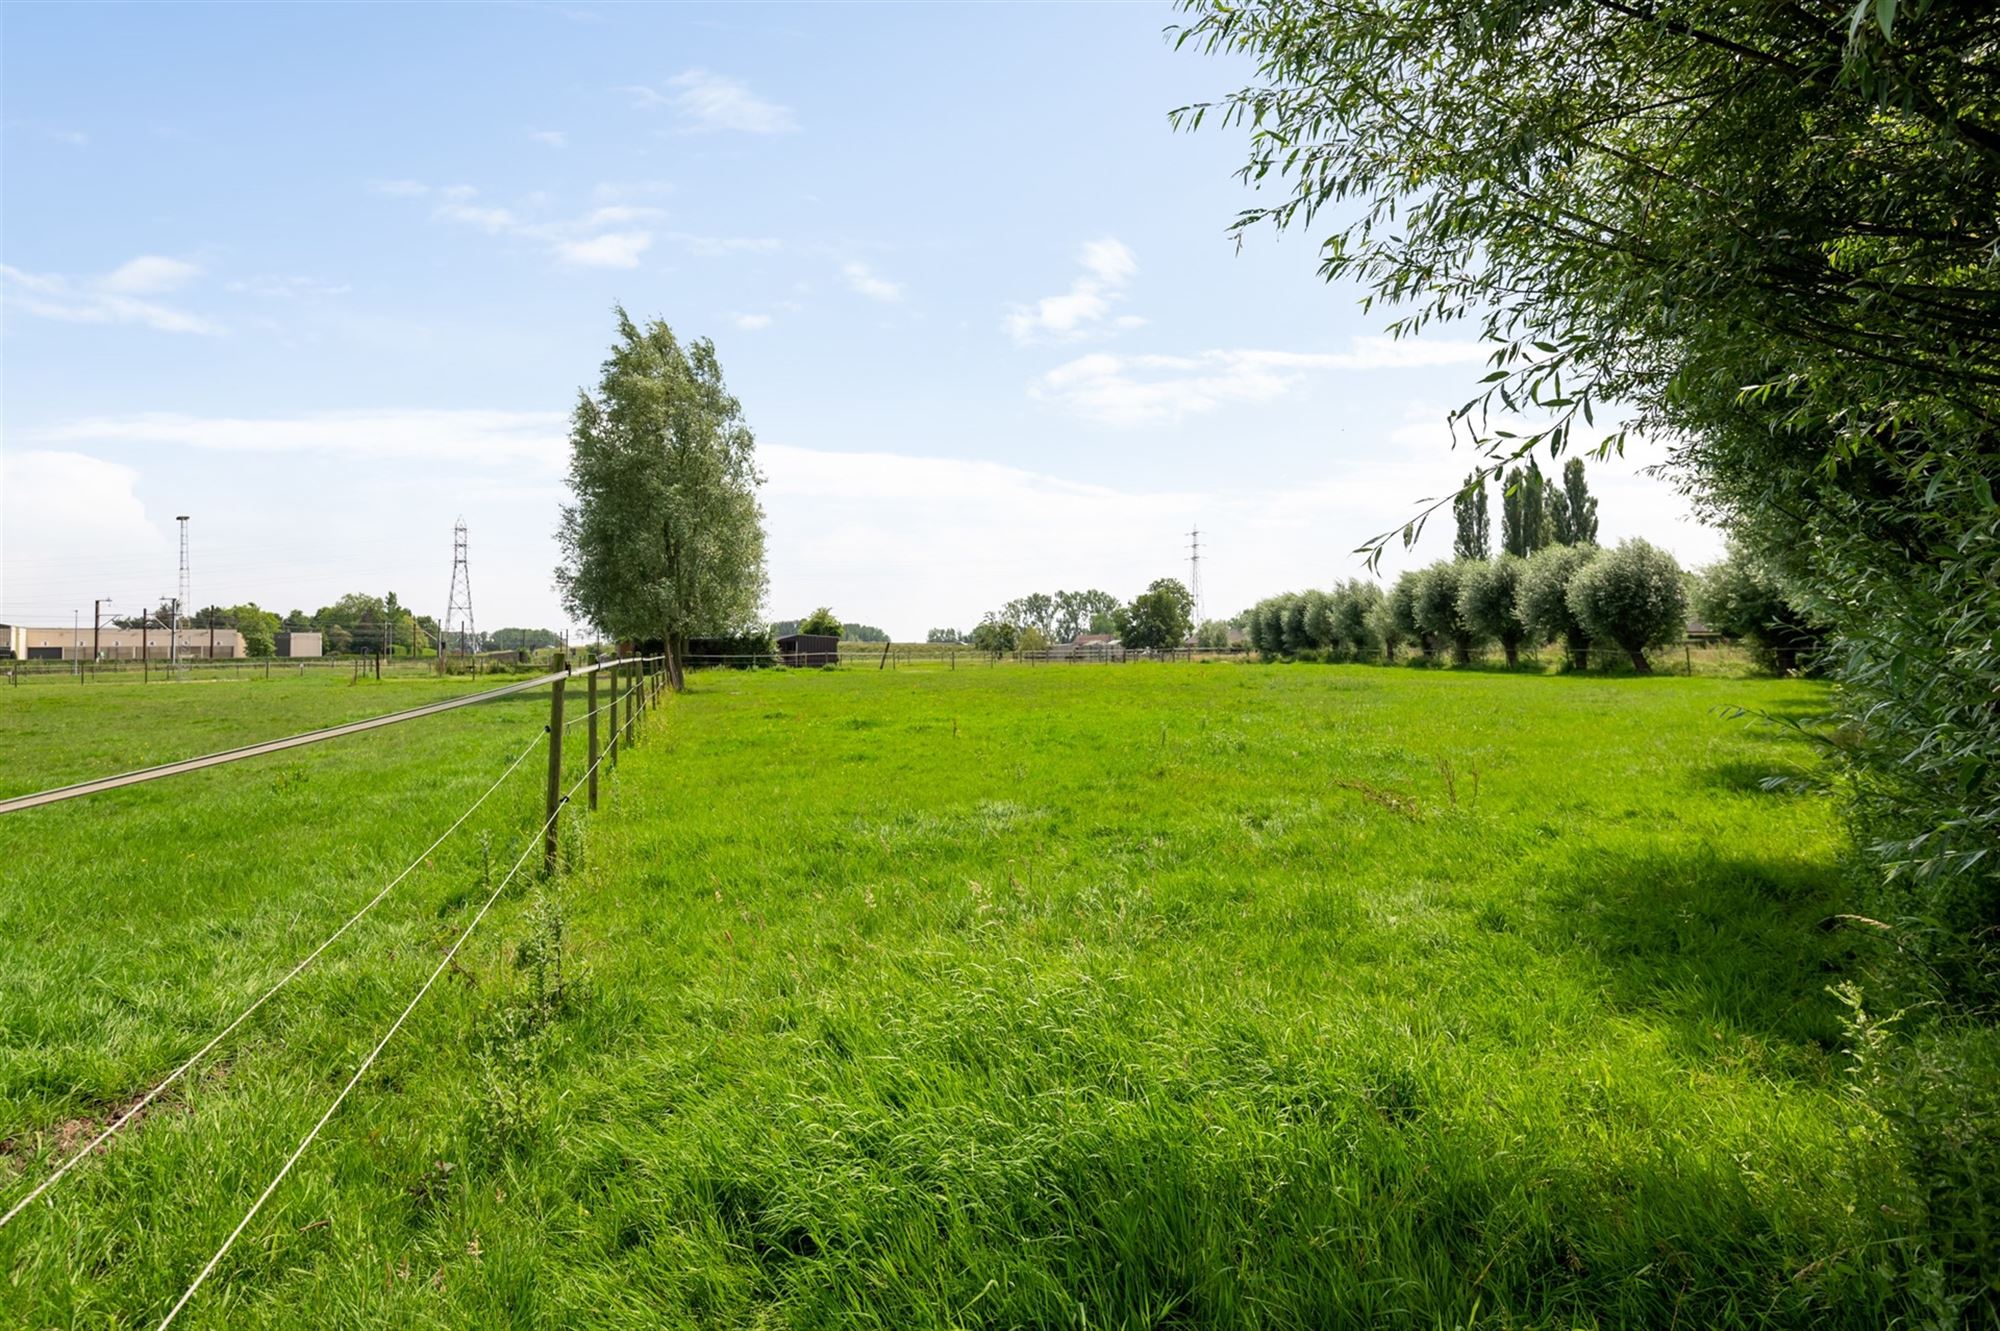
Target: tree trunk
x,y
1579,652
1788,660
1513,650
672,661
1461,652
1640,665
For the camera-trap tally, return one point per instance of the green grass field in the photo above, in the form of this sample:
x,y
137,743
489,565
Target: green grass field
x,y
1202,995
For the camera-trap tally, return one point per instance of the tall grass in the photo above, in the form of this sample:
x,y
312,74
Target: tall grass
x,y
1115,997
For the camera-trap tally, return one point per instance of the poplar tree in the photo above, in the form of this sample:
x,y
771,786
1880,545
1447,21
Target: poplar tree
x,y
1468,509
665,538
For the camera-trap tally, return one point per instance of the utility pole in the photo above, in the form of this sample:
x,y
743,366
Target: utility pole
x,y
96,627
180,600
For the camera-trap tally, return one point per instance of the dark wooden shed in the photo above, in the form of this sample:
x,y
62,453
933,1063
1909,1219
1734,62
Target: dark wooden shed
x,y
809,649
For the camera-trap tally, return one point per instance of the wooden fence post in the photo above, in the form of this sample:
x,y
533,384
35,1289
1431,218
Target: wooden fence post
x,y
631,702
591,702
555,775
612,752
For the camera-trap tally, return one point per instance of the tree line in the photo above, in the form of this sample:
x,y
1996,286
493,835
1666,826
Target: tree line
x,y
1156,619
358,623
1633,598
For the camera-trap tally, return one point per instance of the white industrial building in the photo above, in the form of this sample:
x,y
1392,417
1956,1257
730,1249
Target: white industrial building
x,y
23,643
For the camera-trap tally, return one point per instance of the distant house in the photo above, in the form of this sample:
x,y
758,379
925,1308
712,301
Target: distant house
x,y
809,649
1088,647
298,644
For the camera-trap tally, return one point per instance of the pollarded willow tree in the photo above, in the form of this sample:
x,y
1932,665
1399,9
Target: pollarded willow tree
x,y
665,538
1762,233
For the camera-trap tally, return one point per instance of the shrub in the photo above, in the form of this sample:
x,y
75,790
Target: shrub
x,y
1357,614
1399,618
1294,634
1317,619
1489,596
995,635
821,621
1436,608
1632,596
1743,596
1267,625
1544,599
1212,635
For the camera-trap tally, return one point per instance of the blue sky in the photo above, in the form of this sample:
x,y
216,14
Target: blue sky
x,y
327,278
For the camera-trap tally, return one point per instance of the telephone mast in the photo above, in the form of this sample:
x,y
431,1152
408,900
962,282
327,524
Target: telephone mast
x,y
1194,572
458,605
180,598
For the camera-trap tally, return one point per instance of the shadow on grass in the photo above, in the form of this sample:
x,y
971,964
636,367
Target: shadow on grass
x,y
1747,776
1717,941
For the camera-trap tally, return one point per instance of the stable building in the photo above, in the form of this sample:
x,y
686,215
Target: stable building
x,y
298,644
807,650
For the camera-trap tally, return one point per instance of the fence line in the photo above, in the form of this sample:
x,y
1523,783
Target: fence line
x,y
289,976
82,788
373,1054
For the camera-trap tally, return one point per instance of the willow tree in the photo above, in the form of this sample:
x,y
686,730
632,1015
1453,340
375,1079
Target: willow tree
x,y
1765,235
665,538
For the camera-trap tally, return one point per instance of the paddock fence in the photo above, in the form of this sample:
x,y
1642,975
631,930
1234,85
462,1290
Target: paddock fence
x,y
616,696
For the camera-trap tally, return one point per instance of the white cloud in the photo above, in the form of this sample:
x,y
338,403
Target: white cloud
x,y
1160,389
751,323
493,221
61,501
549,138
581,241
614,191
613,249
278,287
642,97
111,298
148,275
1108,266
717,247
860,277
709,102
488,438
